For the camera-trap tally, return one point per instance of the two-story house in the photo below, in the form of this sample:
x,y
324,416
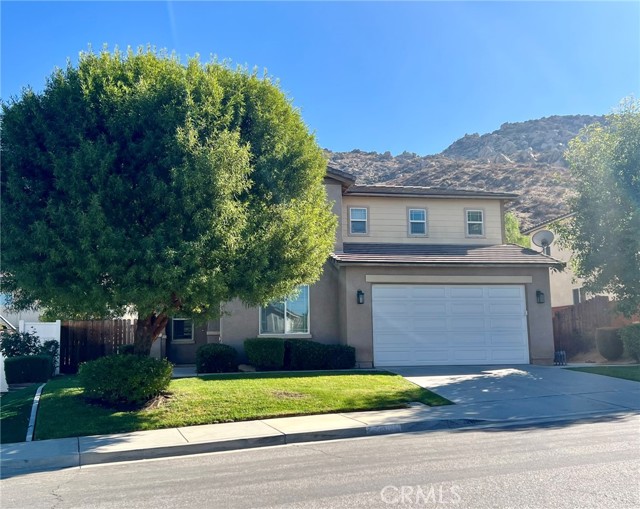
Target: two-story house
x,y
418,276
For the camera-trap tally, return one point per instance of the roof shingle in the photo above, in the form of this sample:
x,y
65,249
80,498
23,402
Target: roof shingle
x,y
441,254
385,190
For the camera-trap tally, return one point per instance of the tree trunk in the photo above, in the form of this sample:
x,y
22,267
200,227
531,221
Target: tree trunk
x,y
147,330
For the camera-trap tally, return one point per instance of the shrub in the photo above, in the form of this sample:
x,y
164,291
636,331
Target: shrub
x,y
126,350
609,343
51,348
28,368
14,343
216,358
300,354
128,380
265,353
630,336
340,356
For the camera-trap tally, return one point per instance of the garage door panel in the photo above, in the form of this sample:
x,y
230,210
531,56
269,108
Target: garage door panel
x,y
436,355
467,323
462,292
505,308
428,308
471,355
393,308
426,292
449,324
505,322
510,339
465,339
395,341
436,323
431,340
467,307
503,292
393,292
507,355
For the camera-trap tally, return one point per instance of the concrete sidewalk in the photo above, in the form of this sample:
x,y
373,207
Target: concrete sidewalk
x,y
21,458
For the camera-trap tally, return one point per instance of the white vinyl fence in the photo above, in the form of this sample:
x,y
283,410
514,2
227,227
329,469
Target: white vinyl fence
x,y
45,331
3,379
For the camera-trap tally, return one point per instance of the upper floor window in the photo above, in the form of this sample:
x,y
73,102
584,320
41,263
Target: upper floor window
x,y
182,330
417,222
288,316
475,223
358,221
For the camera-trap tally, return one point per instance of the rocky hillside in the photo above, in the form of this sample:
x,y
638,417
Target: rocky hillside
x,y
524,157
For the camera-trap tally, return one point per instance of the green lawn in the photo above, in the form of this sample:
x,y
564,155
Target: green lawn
x,y
627,372
63,411
15,409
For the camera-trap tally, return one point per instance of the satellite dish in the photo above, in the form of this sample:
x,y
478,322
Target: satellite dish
x,y
543,238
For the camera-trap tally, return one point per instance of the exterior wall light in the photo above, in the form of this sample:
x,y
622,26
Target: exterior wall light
x,y
539,297
360,297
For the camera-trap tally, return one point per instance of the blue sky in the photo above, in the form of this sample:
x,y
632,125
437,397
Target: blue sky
x,y
373,76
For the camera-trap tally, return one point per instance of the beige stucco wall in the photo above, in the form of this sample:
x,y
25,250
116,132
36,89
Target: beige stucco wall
x,y
562,282
357,331
334,196
240,322
335,316
446,223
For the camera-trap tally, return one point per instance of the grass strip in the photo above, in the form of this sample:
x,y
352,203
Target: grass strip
x,y
631,372
227,398
15,410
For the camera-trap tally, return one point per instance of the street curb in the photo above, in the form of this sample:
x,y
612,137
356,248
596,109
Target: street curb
x,y
97,458
34,410
10,467
71,452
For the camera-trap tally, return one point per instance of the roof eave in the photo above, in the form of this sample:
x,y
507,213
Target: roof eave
x,y
432,195
450,264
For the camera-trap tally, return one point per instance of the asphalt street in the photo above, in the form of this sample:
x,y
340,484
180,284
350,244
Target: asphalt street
x,y
566,465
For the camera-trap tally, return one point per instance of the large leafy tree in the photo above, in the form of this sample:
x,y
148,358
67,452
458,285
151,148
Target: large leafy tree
x,y
133,181
604,233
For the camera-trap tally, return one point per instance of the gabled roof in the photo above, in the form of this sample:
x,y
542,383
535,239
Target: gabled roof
x,y
441,254
547,222
345,178
432,192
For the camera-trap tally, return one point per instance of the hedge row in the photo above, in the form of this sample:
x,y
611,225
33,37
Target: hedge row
x,y
28,368
297,354
630,336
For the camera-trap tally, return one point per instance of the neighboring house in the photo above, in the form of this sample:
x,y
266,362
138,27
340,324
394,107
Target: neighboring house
x,y
11,318
418,276
566,287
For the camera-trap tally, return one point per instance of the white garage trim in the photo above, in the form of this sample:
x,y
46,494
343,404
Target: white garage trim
x,y
449,324
500,280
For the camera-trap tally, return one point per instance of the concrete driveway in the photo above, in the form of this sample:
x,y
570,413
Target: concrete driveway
x,y
524,391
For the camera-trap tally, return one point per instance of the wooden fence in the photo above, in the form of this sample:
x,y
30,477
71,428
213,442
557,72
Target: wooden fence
x,y
574,327
82,341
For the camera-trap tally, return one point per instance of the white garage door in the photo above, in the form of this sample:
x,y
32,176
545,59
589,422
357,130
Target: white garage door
x,y
417,325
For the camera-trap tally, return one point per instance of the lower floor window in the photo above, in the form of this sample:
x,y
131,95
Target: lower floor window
x,y
288,316
181,329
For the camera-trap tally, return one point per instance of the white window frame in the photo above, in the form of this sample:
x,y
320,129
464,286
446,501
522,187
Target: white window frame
x,y
467,223
306,334
182,340
365,220
410,222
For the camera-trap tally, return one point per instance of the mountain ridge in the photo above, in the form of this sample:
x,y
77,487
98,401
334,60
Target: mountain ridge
x,y
526,158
